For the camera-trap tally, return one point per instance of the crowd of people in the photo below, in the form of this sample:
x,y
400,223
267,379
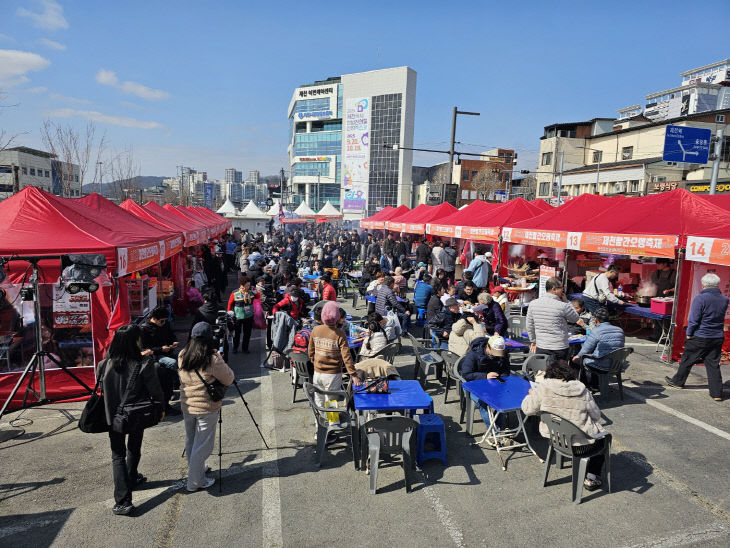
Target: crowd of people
x,y
281,275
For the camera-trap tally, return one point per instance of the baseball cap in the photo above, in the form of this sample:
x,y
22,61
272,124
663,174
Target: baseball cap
x,y
488,254
497,345
450,302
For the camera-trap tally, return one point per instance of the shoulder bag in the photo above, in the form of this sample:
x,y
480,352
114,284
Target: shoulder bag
x,y
374,385
135,416
93,417
601,297
216,389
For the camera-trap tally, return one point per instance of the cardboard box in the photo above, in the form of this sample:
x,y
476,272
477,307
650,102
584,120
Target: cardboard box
x,y
662,305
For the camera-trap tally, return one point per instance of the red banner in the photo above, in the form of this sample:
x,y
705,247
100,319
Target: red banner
x,y
541,238
132,259
445,231
620,244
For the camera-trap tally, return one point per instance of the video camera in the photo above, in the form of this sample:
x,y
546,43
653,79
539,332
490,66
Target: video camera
x,y
220,329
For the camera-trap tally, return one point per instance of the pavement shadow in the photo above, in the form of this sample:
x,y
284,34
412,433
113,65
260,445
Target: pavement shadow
x,y
70,423
10,490
39,529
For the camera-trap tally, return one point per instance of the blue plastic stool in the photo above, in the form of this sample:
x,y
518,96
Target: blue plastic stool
x,y
420,317
431,424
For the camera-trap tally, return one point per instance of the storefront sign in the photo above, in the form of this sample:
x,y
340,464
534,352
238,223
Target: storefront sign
x,y
418,228
171,246
315,114
315,92
701,189
132,259
356,154
481,233
446,231
664,186
548,238
708,250
394,226
298,159
71,310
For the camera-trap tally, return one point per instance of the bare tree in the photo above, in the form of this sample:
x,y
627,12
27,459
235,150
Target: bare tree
x,y
486,181
171,197
123,172
73,151
527,188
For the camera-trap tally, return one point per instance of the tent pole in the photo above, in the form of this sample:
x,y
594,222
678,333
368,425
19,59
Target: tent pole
x,y
672,322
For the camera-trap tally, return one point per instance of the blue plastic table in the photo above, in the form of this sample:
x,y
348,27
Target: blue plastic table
x,y
404,396
633,309
354,343
512,344
500,398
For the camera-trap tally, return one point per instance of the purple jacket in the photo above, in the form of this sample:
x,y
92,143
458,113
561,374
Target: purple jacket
x,y
707,315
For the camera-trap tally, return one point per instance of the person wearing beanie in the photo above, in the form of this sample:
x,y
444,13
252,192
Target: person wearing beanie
x,y
329,351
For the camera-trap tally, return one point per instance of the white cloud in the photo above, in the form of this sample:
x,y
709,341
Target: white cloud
x,y
37,90
67,99
109,78
102,118
51,18
53,44
14,65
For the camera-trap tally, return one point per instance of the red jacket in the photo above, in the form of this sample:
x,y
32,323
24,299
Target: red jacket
x,y
328,293
294,308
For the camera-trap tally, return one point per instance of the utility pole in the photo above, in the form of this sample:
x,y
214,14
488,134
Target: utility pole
x,y
716,161
451,148
281,187
560,175
16,179
101,174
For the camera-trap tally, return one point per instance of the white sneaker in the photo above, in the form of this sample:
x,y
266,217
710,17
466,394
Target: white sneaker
x,y
206,483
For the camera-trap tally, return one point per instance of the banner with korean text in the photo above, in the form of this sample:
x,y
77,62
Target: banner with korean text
x,y
708,250
356,155
132,259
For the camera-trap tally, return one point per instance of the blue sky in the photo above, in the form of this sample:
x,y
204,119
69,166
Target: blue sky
x,y
207,84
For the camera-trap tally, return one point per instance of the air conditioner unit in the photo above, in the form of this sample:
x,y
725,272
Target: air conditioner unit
x,y
619,188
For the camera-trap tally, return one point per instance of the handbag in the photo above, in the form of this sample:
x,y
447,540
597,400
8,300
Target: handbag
x,y
375,385
216,389
93,417
135,416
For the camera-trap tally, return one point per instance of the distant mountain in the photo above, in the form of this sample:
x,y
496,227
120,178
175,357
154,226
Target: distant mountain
x,y
143,181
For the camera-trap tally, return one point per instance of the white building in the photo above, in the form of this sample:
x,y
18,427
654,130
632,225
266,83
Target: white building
x,y
343,131
254,177
40,169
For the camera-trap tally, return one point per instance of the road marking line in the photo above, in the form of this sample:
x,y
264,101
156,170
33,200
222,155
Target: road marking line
x,y
30,524
675,413
444,515
271,495
684,538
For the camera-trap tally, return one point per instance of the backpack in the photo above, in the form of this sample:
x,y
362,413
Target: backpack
x,y
301,341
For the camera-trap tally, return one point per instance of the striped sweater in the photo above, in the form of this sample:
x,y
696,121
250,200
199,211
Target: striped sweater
x,y
328,350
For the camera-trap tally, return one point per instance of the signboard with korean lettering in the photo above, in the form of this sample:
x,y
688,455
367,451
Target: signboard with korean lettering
x,y
548,238
71,310
132,259
623,244
480,233
686,144
445,231
708,250
356,154
546,272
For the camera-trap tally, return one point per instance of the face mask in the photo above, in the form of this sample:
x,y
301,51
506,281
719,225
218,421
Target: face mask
x,y
294,299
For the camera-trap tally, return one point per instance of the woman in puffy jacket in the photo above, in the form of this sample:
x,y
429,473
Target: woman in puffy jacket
x,y
463,332
562,394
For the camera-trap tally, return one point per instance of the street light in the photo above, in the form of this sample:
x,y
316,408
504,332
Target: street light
x,y
598,169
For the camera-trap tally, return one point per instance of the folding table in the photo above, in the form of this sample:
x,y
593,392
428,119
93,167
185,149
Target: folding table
x,y
501,398
404,396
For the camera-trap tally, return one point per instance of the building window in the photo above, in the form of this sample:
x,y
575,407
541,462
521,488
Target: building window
x,y
627,153
32,171
597,156
473,194
465,175
25,170
547,158
311,105
725,150
633,186
473,175
544,189
47,174
311,169
76,178
720,118
464,194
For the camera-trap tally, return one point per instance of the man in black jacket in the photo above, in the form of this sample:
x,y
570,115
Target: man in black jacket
x,y
423,253
158,337
442,322
435,305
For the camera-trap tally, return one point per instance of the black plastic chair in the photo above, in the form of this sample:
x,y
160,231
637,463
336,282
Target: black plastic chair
x,y
388,435
346,426
563,434
517,325
618,364
534,363
300,362
450,360
425,358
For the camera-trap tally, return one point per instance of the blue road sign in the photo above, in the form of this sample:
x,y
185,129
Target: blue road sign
x,y
687,144
208,195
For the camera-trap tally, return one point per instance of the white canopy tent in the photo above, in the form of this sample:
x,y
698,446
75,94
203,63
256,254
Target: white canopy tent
x,y
227,209
304,210
251,211
251,218
329,211
274,209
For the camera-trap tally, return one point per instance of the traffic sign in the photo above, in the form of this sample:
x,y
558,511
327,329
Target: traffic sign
x,y
687,144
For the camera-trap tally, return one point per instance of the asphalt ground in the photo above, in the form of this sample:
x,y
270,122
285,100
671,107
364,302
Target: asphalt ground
x,y
670,475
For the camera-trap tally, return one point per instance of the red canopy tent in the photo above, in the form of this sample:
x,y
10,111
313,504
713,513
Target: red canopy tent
x,y
367,221
218,224
198,224
542,204
446,226
210,224
224,223
170,240
415,221
378,220
195,232
175,224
